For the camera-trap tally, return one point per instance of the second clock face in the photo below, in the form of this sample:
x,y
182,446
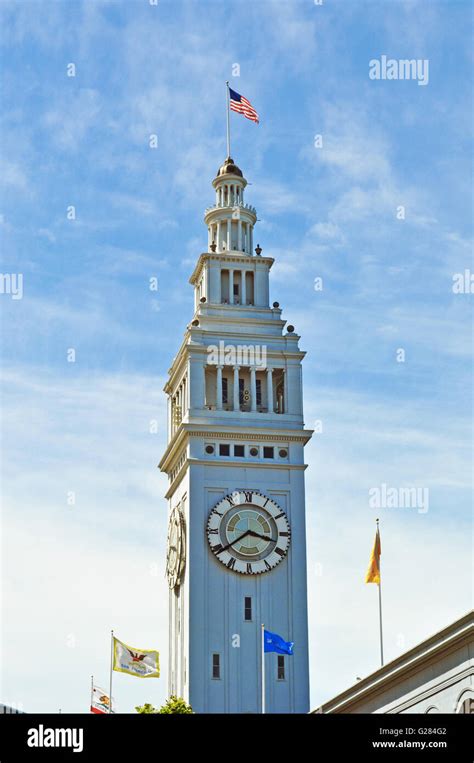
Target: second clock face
x,y
176,552
248,532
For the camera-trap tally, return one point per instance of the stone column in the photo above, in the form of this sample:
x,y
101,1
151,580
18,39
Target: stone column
x,y
217,285
197,383
286,393
253,389
250,239
239,235
243,292
219,388
218,238
236,388
206,283
229,231
231,287
270,390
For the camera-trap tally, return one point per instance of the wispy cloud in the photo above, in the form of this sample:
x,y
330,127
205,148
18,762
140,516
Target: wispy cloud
x,y
90,536
69,125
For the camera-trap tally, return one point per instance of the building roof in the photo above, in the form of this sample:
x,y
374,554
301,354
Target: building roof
x,y
403,665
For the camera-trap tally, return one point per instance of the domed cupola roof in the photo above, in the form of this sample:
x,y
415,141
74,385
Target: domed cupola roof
x,y
229,168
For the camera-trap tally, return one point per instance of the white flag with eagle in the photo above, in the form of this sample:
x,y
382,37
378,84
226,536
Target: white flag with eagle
x,y
142,663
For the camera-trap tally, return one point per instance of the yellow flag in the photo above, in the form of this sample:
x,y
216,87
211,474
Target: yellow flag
x,y
373,572
142,663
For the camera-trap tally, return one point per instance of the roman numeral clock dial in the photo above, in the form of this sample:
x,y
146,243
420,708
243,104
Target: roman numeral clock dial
x,y
176,548
248,532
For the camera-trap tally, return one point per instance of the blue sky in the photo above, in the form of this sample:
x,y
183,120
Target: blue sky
x,y
70,573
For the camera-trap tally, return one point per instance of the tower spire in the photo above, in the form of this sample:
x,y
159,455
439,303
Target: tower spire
x,y
230,221
235,401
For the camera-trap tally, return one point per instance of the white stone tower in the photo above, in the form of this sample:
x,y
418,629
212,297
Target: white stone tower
x,y
235,462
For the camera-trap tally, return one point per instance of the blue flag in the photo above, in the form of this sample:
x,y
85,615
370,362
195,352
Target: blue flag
x,y
272,642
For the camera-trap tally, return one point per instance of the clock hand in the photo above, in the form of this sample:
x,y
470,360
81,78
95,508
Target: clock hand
x,y
263,537
247,532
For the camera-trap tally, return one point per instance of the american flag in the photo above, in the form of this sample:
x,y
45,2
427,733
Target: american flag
x,y
242,106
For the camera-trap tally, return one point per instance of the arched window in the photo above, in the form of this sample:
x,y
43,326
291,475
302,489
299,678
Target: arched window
x,y
465,703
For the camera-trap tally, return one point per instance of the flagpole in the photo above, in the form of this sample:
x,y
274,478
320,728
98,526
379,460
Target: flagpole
x,y
92,690
263,668
380,602
228,118
111,668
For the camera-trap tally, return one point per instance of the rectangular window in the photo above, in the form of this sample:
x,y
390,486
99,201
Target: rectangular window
x,y
224,450
239,450
281,668
241,391
216,666
259,391
236,290
224,391
267,452
247,608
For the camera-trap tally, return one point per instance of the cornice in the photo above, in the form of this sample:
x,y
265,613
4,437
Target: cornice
x,y
201,348
222,214
174,484
267,437
280,466
179,442
223,257
195,347
189,349
173,450
176,370
235,315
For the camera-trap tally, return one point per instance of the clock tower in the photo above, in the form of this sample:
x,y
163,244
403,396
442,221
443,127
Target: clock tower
x,y
236,554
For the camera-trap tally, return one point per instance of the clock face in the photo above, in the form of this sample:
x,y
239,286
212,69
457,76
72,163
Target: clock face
x,y
248,532
176,554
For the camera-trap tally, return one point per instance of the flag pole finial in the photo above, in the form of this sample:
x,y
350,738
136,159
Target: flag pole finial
x,y
228,117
